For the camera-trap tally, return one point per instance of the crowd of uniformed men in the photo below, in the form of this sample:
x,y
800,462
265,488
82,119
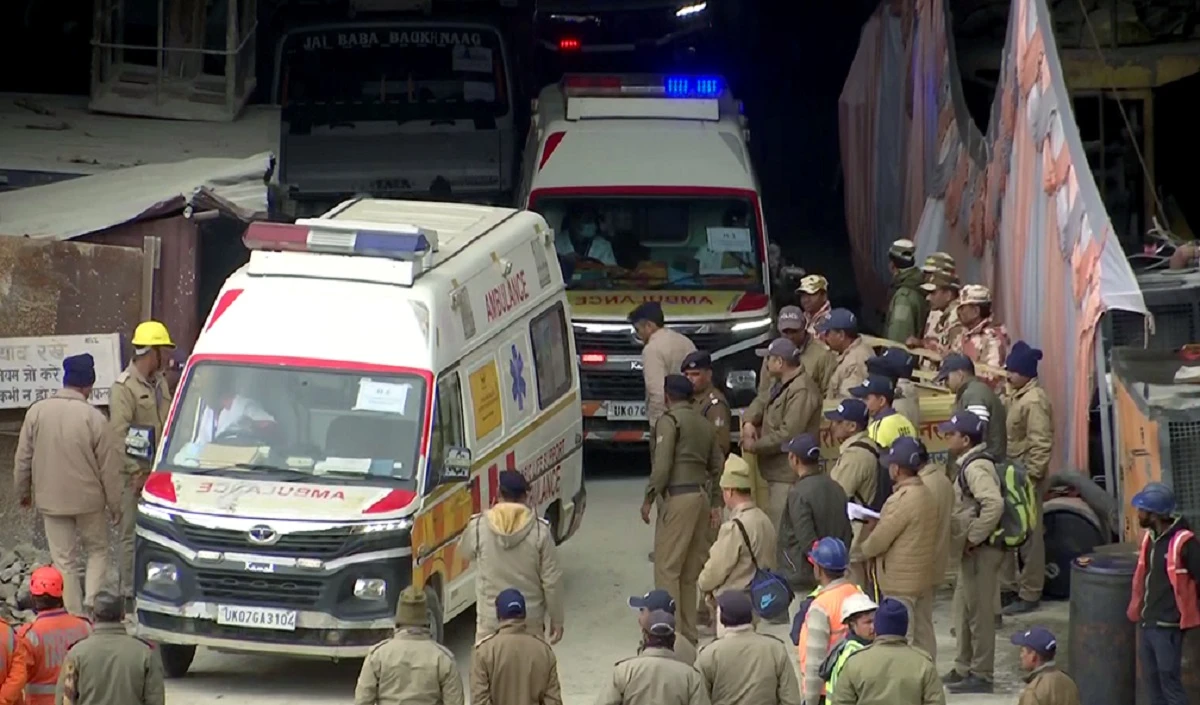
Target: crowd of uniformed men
x,y
721,522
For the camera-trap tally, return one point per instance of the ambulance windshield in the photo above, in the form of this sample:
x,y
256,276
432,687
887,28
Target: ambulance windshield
x,y
294,422
659,242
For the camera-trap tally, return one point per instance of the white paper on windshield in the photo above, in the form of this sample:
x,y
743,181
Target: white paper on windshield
x,y
473,59
479,91
714,263
859,512
730,240
361,466
388,397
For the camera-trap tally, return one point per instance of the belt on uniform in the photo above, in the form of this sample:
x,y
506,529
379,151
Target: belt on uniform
x,y
682,489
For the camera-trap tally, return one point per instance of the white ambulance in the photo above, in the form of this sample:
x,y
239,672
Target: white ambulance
x,y
354,394
648,185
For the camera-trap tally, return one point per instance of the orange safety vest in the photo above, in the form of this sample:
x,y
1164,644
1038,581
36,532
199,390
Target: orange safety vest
x,y
50,636
14,666
1182,582
831,604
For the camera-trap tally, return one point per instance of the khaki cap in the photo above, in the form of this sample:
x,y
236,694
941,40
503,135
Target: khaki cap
x,y
813,283
939,262
941,280
903,250
736,475
411,610
975,294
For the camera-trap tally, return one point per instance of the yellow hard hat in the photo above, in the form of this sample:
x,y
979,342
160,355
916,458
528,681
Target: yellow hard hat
x,y
152,334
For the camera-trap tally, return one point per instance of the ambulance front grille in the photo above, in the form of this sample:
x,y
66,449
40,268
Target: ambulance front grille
x,y
613,385
307,544
270,591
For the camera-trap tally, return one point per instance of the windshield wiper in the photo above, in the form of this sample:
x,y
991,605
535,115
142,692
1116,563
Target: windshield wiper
x,y
288,474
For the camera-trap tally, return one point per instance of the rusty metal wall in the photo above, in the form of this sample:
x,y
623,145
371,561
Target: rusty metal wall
x,y
175,291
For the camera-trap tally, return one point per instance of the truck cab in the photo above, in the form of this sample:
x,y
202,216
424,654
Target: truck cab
x,y
647,182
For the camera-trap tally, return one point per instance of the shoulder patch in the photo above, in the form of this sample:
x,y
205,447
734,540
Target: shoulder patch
x,y
123,377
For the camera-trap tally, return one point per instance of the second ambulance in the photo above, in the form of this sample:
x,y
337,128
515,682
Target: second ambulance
x,y
647,182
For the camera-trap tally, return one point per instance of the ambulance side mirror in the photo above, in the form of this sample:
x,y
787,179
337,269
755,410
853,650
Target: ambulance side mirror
x,y
457,465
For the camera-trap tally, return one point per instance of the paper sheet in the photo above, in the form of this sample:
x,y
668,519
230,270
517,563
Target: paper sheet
x,y
359,466
730,240
859,512
388,397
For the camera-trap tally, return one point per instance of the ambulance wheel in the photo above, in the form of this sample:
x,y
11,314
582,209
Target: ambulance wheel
x,y
433,613
176,659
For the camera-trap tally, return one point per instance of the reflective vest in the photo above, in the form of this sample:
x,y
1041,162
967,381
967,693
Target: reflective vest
x,y
50,636
851,646
831,604
1183,584
14,666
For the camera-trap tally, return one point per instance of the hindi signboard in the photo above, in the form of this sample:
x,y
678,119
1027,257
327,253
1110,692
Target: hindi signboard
x,y
31,368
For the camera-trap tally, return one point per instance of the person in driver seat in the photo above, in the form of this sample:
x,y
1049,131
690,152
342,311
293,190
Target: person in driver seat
x,y
583,237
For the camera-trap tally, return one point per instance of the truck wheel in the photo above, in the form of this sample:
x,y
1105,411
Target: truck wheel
x,y
433,612
176,659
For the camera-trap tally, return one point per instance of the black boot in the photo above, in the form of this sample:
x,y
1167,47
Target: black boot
x,y
971,684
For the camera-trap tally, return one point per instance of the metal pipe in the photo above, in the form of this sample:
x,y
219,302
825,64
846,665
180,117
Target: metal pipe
x,y
1106,422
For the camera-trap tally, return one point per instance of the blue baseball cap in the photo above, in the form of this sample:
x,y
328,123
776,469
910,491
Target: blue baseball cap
x,y
679,385
954,362
791,318
906,451
513,482
963,422
804,445
781,347
895,363
875,384
655,600
839,319
661,623
510,604
849,410
1039,639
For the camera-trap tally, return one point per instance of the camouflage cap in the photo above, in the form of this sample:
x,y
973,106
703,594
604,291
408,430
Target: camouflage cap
x,y
938,262
941,280
975,294
812,284
903,251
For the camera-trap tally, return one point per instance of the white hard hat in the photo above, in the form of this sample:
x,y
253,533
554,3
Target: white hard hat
x,y
857,604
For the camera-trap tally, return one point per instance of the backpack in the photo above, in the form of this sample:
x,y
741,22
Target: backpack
x,y
1018,490
883,480
770,593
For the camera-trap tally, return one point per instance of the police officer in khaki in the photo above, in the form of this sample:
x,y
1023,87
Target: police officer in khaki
x,y
68,467
743,667
745,542
660,601
137,409
683,478
512,666
840,331
109,667
663,353
791,407
410,668
856,470
818,360
654,676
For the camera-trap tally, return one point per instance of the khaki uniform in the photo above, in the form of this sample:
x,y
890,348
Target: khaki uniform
x,y
712,406
901,546
513,547
857,471
683,476
409,669
816,359
111,668
1047,685
889,672
135,401
744,667
513,667
977,513
68,463
908,402
816,318
653,677
663,355
1031,441
851,370
685,651
730,565
792,409
934,477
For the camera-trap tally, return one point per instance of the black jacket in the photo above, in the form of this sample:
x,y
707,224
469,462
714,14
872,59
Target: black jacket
x,y
1158,606
816,508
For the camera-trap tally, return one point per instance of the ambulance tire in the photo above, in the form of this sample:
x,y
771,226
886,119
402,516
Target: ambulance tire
x,y
176,659
552,518
433,613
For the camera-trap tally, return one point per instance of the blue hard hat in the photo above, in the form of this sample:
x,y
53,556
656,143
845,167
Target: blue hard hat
x,y
830,553
1155,498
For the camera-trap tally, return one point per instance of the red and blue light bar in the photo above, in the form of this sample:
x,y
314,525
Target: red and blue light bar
x,y
403,242
644,86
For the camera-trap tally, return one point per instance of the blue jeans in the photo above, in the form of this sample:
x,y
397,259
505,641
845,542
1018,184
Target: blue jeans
x,y
1161,656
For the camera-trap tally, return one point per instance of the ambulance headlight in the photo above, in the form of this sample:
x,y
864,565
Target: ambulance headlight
x,y
740,380
370,588
161,573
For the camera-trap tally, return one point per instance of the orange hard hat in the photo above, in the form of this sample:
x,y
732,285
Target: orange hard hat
x,y
46,581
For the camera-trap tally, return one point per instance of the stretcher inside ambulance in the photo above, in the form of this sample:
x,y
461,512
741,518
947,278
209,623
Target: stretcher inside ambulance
x,y
648,185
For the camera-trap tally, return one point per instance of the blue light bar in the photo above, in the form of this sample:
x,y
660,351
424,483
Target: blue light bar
x,y
693,86
390,244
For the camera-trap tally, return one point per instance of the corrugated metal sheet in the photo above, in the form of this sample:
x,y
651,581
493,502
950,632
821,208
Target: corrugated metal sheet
x,y
90,204
1017,207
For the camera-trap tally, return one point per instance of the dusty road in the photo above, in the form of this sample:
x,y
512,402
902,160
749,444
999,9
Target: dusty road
x,y
603,564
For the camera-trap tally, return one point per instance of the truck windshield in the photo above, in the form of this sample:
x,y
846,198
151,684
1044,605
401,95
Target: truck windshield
x,y
392,73
341,425
634,242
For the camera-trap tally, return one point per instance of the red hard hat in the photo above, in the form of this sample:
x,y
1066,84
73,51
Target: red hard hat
x,y
46,581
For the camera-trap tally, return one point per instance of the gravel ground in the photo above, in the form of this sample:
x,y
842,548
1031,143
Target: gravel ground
x,y
603,564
